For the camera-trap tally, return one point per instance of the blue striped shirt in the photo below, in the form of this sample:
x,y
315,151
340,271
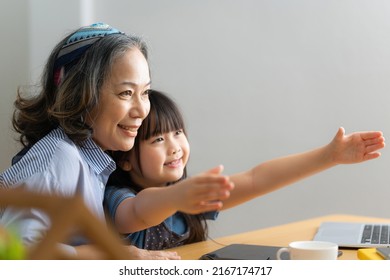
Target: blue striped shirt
x,y
56,165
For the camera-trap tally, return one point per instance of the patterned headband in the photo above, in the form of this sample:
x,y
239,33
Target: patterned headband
x,y
77,44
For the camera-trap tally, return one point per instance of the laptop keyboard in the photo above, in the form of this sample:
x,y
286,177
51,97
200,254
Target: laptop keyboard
x,y
375,234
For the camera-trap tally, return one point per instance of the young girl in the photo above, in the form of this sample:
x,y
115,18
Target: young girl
x,y
155,213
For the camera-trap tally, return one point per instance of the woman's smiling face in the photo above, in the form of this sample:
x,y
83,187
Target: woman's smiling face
x,y
124,103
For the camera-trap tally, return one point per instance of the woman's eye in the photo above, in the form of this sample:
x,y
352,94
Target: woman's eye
x,y
145,94
126,93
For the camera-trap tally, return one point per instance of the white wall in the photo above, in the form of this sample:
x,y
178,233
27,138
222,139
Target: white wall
x,y
260,79
14,62
30,29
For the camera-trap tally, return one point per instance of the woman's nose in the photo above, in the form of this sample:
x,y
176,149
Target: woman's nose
x,y
140,108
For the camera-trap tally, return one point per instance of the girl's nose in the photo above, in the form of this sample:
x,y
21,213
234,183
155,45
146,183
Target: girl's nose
x,y
175,150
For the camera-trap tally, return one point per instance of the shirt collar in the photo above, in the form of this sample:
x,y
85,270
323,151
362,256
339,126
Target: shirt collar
x,y
96,157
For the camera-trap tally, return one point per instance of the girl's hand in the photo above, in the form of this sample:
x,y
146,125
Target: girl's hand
x,y
202,193
356,147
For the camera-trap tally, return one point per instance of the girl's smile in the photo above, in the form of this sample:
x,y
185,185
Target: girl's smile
x,y
175,164
163,159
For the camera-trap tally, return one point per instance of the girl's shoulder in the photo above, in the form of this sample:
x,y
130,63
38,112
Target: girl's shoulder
x,y
118,191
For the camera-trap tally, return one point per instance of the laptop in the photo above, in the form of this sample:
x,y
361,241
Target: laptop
x,y
354,235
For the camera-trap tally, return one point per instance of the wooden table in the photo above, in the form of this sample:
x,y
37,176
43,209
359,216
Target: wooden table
x,y
274,236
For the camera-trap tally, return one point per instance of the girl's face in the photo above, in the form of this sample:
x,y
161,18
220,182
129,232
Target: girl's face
x,y
162,158
124,103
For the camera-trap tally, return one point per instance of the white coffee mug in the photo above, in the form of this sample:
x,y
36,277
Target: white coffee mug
x,y
310,250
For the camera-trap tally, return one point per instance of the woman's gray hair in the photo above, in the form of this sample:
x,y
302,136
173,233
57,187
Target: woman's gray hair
x,y
68,103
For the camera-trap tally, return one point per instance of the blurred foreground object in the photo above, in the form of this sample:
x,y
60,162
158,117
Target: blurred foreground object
x,y
66,214
11,247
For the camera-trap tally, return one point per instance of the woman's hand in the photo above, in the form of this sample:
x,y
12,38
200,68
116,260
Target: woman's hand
x,y
142,254
93,252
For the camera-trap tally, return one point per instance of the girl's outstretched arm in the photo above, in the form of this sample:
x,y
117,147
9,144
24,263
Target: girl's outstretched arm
x,y
151,206
274,174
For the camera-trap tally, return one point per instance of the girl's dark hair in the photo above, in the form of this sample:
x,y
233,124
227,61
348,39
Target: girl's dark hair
x,y
164,117
68,103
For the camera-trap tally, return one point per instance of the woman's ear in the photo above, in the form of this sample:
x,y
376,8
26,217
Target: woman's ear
x,y
125,165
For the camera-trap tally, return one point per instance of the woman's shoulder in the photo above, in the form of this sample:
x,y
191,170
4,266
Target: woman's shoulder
x,y
56,142
54,151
